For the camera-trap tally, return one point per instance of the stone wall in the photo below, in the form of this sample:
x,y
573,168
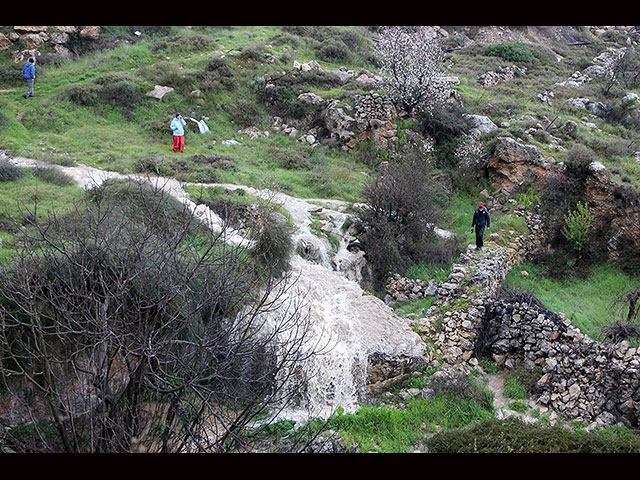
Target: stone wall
x,y
401,289
457,315
583,379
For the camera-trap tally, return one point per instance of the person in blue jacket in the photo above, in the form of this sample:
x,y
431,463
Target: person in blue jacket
x,y
481,219
177,127
29,74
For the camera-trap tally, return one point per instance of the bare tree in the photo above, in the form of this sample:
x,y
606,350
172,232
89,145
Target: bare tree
x,y
127,325
399,217
412,68
624,328
621,67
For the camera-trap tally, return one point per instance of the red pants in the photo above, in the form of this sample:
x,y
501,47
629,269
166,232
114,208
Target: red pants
x,y
178,143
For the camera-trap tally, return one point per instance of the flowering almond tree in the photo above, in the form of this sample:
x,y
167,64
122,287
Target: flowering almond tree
x,y
412,68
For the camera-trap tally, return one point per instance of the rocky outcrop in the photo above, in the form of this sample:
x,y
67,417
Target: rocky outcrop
x,y
479,125
35,38
515,165
369,118
615,206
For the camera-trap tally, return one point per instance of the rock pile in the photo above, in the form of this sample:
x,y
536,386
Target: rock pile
x,y
597,108
503,74
401,289
576,80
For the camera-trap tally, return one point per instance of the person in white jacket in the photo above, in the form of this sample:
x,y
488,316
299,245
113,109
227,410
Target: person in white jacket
x,y
177,127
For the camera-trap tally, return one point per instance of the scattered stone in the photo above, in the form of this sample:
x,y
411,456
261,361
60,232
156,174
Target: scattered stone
x,y
159,91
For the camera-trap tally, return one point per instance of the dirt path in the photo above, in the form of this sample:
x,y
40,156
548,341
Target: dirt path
x,y
495,384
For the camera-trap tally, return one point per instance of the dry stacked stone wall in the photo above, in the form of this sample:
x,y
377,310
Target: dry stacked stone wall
x,y
457,315
580,378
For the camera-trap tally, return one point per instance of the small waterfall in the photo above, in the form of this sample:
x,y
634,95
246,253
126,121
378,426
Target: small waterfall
x,y
347,324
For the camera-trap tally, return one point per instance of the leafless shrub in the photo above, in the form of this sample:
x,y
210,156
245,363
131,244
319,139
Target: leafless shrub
x,y
136,329
399,217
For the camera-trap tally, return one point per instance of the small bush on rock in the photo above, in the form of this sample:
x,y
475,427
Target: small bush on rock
x,y
577,225
245,113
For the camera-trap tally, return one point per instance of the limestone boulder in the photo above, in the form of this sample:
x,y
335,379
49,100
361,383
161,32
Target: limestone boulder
x,y
159,91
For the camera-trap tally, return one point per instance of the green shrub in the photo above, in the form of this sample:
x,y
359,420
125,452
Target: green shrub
x,y
9,172
52,175
4,120
222,162
463,387
577,224
83,94
217,75
136,199
245,113
202,174
124,94
515,436
116,89
289,159
333,50
153,164
445,125
170,73
511,51
514,389
10,74
181,43
253,52
518,406
272,235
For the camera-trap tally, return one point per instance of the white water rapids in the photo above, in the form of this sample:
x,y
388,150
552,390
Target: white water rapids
x,y
349,324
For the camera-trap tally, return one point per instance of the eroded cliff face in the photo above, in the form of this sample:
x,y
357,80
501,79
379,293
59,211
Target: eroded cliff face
x,y
54,38
515,167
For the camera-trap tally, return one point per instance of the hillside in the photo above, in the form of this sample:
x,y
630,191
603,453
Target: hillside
x,y
321,190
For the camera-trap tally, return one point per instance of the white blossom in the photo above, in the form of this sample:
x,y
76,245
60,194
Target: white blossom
x,y
412,68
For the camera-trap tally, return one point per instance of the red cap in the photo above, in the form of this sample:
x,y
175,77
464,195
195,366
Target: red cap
x,y
481,204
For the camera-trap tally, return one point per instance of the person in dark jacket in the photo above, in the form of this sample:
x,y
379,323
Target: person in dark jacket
x,y
29,74
481,219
